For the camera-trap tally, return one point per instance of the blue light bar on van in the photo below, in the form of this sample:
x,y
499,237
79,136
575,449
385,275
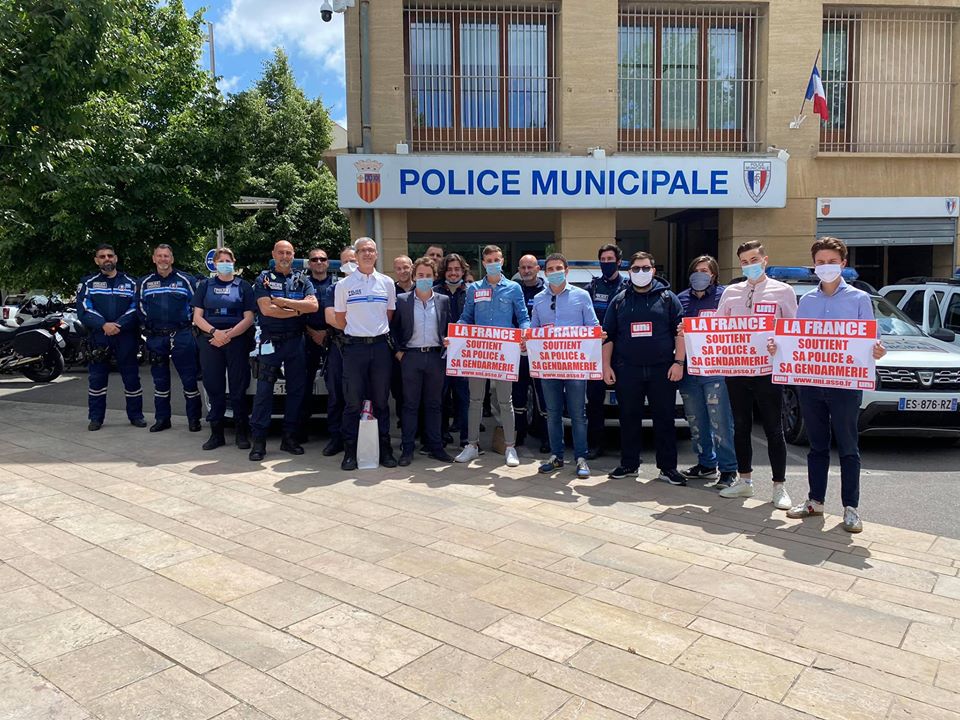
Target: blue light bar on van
x,y
301,264
593,264
799,273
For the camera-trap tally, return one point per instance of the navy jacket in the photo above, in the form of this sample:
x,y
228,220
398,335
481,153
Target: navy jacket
x,y
602,291
401,327
101,299
693,305
317,321
295,286
165,303
457,298
643,326
224,303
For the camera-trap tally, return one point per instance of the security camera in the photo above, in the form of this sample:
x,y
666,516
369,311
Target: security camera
x,y
326,11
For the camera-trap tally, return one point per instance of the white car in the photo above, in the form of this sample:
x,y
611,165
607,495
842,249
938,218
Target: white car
x,y
933,304
918,383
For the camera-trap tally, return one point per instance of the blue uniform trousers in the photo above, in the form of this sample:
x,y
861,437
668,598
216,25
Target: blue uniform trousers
x,y
367,372
290,354
333,376
521,392
596,395
180,347
315,357
634,386
124,349
457,389
226,369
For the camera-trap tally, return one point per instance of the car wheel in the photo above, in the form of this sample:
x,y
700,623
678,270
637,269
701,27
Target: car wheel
x,y
793,428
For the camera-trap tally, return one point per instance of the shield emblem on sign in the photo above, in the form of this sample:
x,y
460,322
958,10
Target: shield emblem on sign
x,y
825,207
951,206
368,179
756,178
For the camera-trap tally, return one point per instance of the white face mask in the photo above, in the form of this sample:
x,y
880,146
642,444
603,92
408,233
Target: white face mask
x,y
828,273
642,278
348,267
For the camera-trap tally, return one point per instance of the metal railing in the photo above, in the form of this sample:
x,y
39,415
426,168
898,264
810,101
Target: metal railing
x,y
688,78
887,78
481,78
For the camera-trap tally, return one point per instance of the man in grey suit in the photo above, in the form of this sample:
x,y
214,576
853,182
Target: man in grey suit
x,y
419,326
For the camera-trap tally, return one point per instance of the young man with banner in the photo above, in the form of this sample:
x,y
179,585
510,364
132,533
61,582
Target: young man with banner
x,y
765,299
643,356
494,302
835,409
562,305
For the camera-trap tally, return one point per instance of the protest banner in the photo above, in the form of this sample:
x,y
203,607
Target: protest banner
x,y
481,351
826,353
565,353
735,346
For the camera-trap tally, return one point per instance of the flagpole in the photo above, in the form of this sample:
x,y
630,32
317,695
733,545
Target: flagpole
x,y
804,103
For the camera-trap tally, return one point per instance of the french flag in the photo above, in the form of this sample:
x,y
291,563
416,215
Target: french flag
x,y
815,92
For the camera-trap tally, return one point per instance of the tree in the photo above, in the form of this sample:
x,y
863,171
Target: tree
x,y
288,134
133,145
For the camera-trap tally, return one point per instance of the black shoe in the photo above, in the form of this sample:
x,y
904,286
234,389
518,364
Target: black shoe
x,y
301,436
141,423
159,425
545,446
726,480
423,450
242,436
521,438
621,472
387,459
447,439
442,455
349,462
334,447
94,425
216,437
405,459
673,477
259,450
194,426
289,444
700,471
593,453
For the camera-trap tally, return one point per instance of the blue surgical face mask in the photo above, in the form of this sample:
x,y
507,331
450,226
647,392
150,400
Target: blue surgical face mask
x,y
455,283
557,278
753,272
609,268
494,268
225,268
700,281
424,284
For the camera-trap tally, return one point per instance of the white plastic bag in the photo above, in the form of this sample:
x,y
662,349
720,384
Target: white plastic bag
x,y
368,440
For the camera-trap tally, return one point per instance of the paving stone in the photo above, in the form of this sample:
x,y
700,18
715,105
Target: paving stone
x,y
905,709
12,579
661,711
522,596
246,639
46,572
743,591
53,635
560,541
641,606
455,607
754,708
267,694
636,562
882,571
833,698
356,572
219,577
580,709
666,595
242,712
166,599
949,676
50,542
173,693
461,575
948,587
757,641
823,612
480,689
417,561
101,668
104,604
102,568
178,645
54,507
345,592
345,688
283,604
537,637
359,543
279,545
933,641
26,696
432,711
156,549
364,639
100,526
446,631
877,655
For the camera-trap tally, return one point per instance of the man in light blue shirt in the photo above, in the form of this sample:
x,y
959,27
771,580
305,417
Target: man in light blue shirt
x,y
563,305
496,302
825,409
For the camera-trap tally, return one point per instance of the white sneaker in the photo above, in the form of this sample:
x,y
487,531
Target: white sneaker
x,y
740,489
511,457
781,498
583,470
851,520
469,452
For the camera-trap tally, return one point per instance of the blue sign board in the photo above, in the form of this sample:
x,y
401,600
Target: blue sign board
x,y
211,265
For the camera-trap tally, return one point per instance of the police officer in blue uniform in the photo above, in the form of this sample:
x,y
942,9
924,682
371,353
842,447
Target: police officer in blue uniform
x,y
317,341
164,302
532,285
602,291
223,310
283,298
333,371
107,306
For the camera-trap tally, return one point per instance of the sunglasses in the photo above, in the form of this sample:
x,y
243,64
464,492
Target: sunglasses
x,y
641,268
318,259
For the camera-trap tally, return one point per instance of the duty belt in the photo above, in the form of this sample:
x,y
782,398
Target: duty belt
x,y
356,340
160,332
280,337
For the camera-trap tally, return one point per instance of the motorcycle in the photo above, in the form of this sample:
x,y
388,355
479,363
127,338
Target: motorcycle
x,y
76,353
33,349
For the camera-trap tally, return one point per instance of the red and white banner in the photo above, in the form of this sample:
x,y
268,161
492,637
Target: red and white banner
x,y
481,351
733,346
826,353
565,353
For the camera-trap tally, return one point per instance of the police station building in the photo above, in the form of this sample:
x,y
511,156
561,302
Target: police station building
x,y
671,127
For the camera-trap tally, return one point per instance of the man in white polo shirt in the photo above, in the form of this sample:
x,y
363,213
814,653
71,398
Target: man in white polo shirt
x,y
364,303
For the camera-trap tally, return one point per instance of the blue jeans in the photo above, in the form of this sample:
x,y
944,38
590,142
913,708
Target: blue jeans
x,y
707,407
826,409
575,392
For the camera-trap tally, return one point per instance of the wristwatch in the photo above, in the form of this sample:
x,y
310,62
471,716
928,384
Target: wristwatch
x,y
681,363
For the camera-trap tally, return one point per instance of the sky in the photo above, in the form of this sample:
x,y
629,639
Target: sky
x,y
247,31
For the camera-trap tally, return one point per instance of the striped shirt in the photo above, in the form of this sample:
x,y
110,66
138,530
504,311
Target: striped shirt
x,y
365,299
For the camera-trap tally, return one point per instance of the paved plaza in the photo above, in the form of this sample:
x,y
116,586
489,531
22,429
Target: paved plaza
x,y
141,578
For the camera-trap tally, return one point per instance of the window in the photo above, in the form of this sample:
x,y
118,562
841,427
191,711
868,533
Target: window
x,y
951,318
687,79
480,79
887,78
914,307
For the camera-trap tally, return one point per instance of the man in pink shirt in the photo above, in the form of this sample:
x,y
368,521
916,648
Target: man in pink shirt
x,y
757,295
